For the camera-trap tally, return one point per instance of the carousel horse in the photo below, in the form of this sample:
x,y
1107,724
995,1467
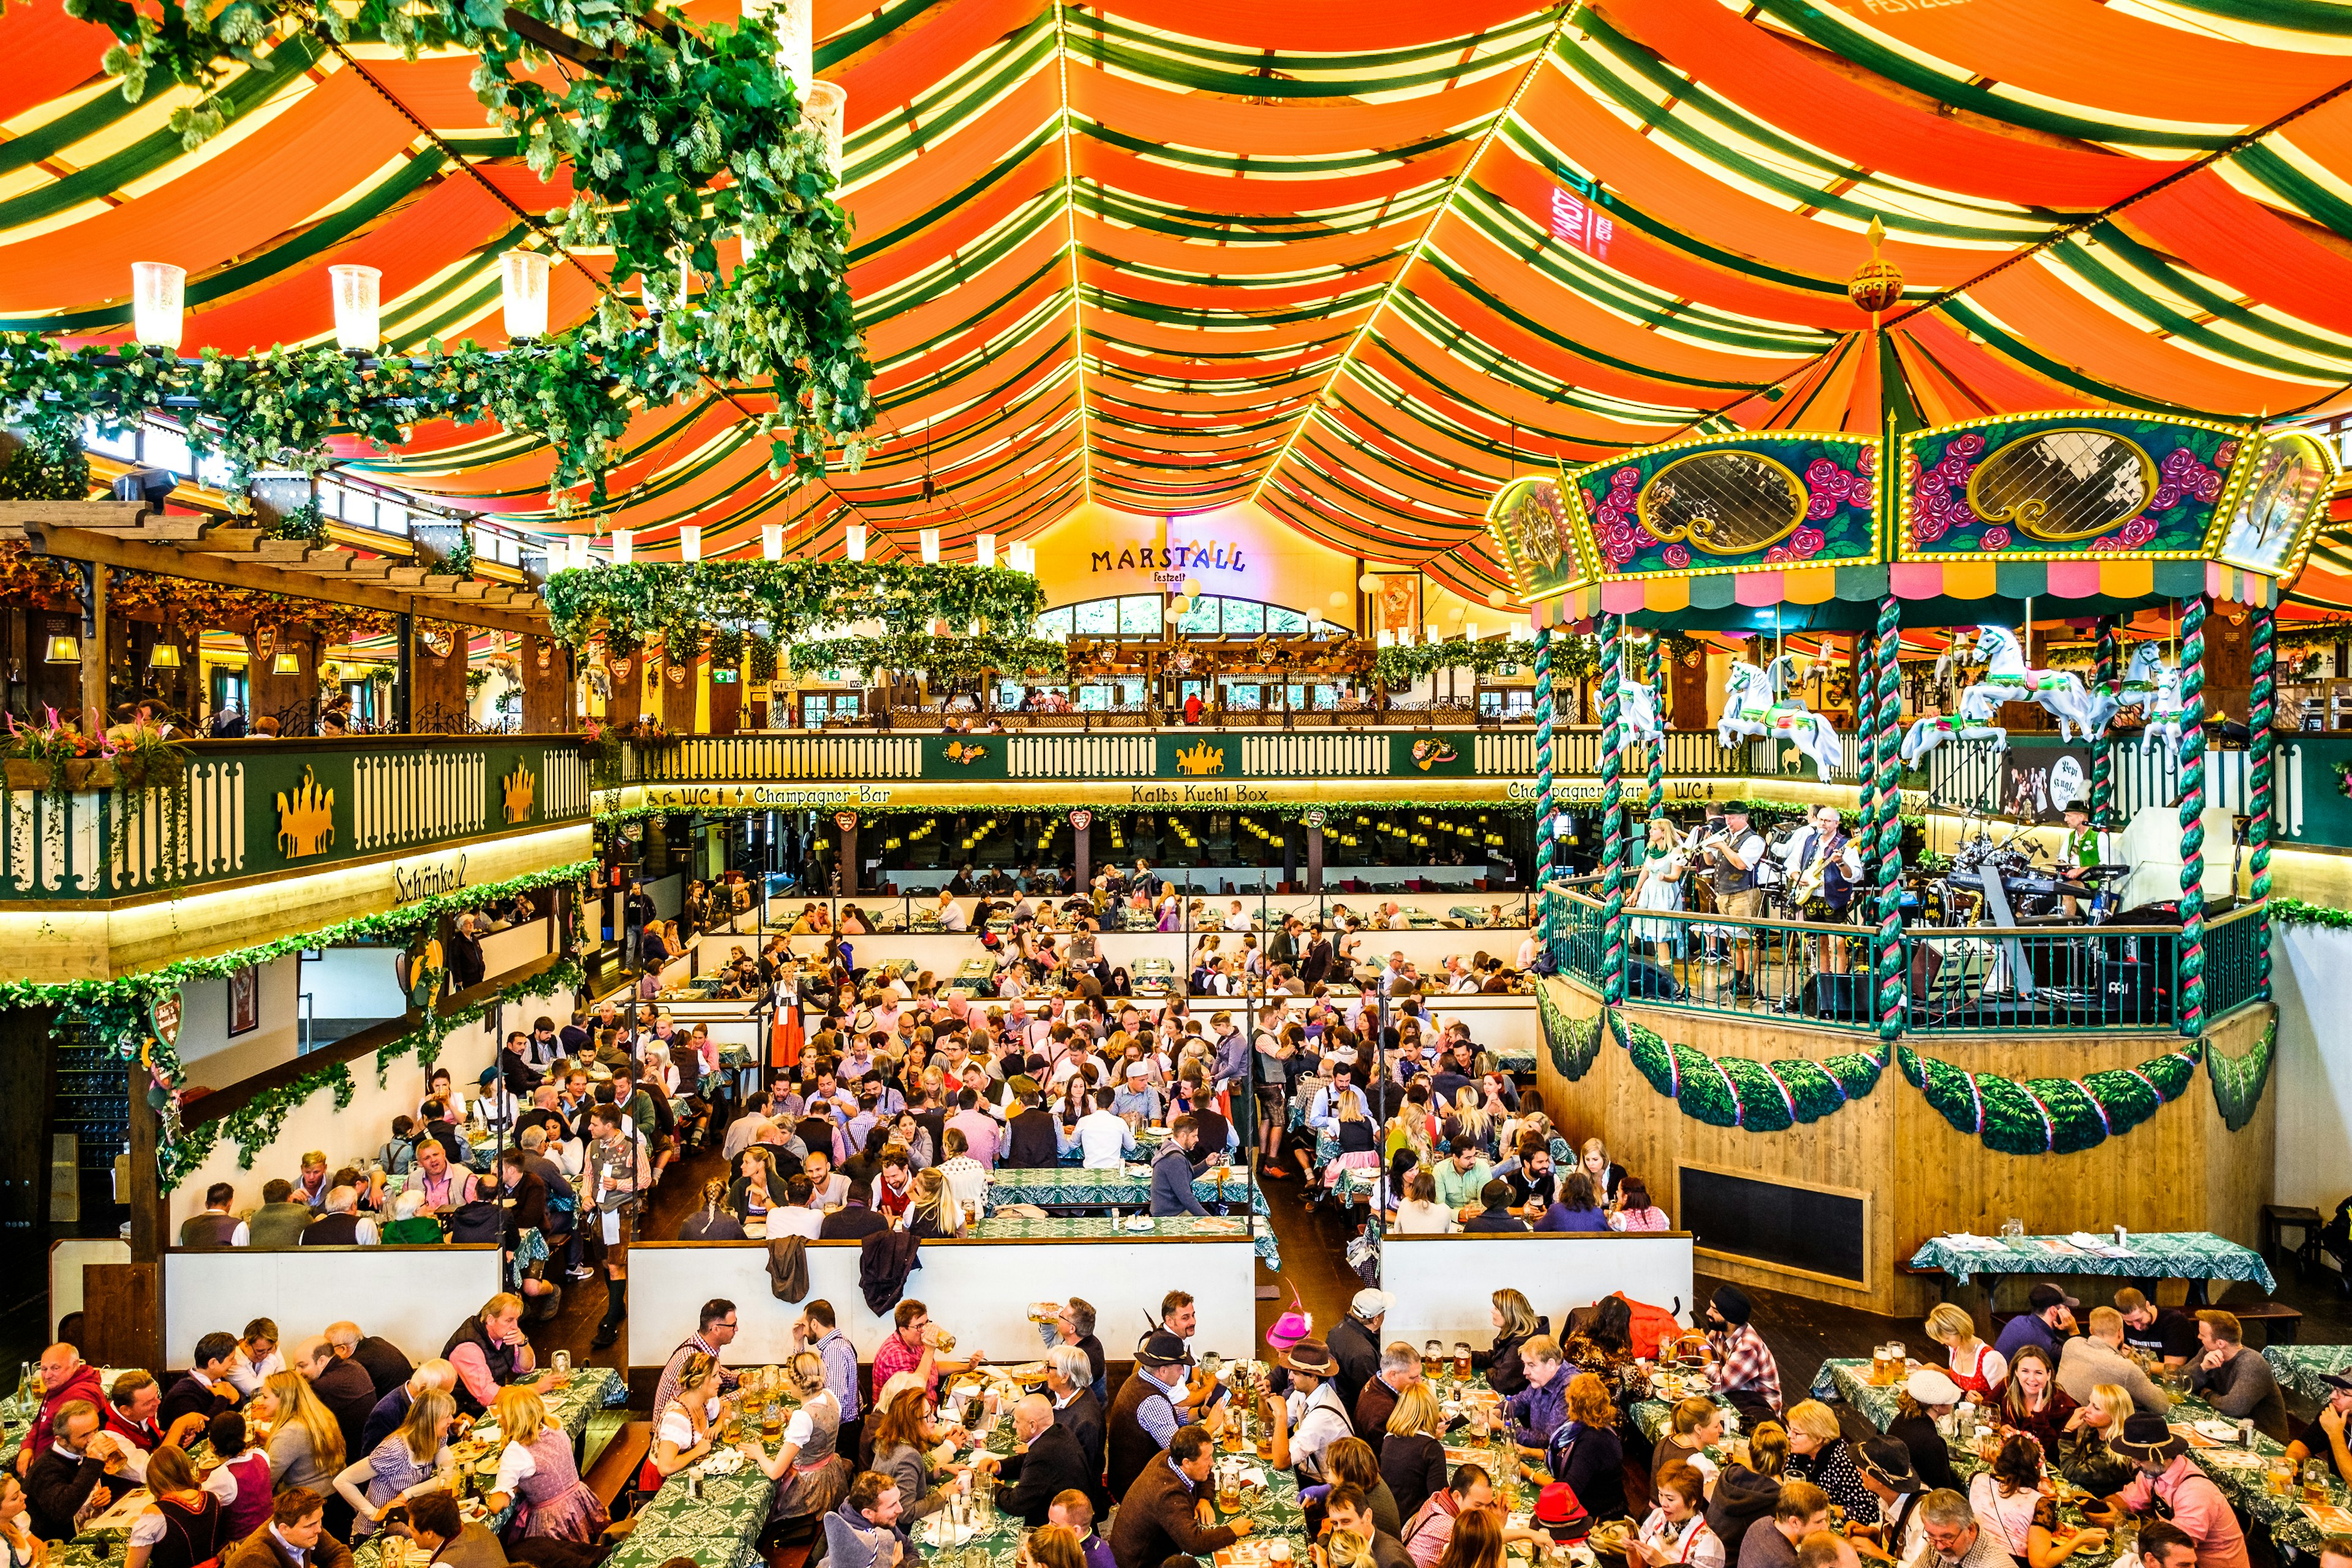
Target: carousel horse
x,y
1753,707
2163,709
1637,714
1973,724
2138,689
2006,680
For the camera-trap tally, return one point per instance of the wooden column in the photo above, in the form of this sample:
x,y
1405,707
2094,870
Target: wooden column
x,y
1686,694
726,701
848,858
437,682
94,653
679,678
27,1102
547,686
2228,668
1314,859
627,684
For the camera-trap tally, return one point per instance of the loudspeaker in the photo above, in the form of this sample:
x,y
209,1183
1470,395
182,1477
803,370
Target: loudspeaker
x,y
1843,997
2130,992
1645,978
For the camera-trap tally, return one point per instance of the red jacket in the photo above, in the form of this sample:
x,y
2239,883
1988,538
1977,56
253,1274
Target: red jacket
x,y
82,1384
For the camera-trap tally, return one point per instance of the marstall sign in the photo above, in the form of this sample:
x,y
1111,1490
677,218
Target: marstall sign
x,y
1169,562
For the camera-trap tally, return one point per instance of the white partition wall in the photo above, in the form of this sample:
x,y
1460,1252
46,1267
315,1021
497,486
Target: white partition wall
x,y
978,1290
412,1296
1443,1284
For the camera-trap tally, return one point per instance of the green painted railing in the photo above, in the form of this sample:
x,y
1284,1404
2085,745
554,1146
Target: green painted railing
x,y
2233,975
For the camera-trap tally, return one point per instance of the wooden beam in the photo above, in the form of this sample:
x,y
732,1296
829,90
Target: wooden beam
x,y
72,544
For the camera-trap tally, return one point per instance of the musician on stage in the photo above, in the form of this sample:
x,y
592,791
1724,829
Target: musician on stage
x,y
1731,857
1825,865
2080,851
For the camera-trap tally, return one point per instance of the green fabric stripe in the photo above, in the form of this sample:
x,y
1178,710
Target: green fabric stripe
x,y
1233,164
952,273
884,21
1524,33
939,112
1573,269
2315,200
1684,130
2087,263
1116,206
47,140
2294,15
1451,331
1003,169
1178,315
2091,386
1351,218
150,153
1160,68
1236,280
1835,32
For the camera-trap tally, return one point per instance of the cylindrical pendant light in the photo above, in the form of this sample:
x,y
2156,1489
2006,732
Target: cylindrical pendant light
x,y
856,540
795,23
1023,557
771,541
624,546
158,302
690,543
987,549
358,309
522,288
824,108
578,546
930,547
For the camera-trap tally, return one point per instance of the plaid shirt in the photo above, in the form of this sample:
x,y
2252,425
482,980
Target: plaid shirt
x,y
1743,1361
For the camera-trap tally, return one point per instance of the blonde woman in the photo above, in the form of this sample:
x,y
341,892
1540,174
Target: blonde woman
x,y
1345,1549
1977,1367
2083,1457
1695,1426
1469,1122
933,1212
1818,1453
1057,1546
1607,1177
413,1459
815,1477
1413,1454
1659,886
536,1472
306,1446
1516,1323
685,1429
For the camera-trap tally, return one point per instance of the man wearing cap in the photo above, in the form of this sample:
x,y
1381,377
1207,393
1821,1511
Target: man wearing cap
x,y
1160,1508
2189,1499
2098,1357
1732,857
1355,1342
1147,1413
2323,1435
1885,1465
1953,1537
2048,1320
1137,1097
1313,1416
1744,1371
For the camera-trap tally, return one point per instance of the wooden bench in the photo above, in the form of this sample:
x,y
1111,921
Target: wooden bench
x,y
617,1465
2280,1321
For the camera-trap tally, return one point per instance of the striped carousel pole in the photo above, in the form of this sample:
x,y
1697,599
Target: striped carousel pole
x,y
2103,759
1545,898
1613,811
2261,763
2191,965
1865,731
1894,1002
1656,796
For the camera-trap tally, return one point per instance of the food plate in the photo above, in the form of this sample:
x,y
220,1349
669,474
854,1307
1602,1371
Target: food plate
x,y
1029,1371
940,1530
724,1462
2220,1431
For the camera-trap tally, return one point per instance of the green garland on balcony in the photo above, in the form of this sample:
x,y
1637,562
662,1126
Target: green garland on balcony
x,y
786,599
1738,1091
1398,666
2050,1115
1288,811
254,1125
942,659
1575,1043
2295,912
2238,1080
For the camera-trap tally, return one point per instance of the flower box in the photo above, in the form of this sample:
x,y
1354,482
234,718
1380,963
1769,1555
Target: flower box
x,y
81,773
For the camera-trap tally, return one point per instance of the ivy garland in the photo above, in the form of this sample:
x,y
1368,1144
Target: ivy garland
x,y
1399,667
1738,1091
2238,1081
2295,912
787,599
1575,1043
1288,811
2050,1115
943,658
254,1125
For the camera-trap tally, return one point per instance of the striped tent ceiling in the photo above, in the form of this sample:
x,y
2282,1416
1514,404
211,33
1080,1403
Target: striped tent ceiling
x,y
1355,263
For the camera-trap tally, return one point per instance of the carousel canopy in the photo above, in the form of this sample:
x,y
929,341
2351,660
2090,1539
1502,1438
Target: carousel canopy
x,y
1359,263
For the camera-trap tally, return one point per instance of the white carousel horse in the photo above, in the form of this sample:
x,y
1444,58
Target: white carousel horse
x,y
2006,680
1973,724
2138,689
2163,709
1753,707
1637,714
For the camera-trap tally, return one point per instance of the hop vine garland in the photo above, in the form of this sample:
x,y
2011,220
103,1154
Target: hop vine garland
x,y
1738,1091
788,599
942,657
2049,1115
254,1125
2238,1080
1575,1043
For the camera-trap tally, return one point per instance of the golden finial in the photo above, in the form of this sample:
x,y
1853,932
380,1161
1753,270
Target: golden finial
x,y
1878,284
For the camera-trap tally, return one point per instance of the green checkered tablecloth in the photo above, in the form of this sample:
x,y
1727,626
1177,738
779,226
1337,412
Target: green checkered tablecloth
x,y
2151,1255
1059,1227
719,1529
2240,1473
1070,1186
2299,1367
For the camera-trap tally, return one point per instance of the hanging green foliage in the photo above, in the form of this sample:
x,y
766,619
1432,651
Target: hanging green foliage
x,y
726,647
942,659
2238,1081
2295,912
762,663
1736,1091
2049,1115
254,1125
787,599
1399,667
1575,1043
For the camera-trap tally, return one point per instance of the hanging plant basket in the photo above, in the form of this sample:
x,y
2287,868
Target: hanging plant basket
x,y
82,774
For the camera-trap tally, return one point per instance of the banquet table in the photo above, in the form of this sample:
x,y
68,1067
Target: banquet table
x,y
1067,1186
2241,1474
2195,1255
2299,1367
